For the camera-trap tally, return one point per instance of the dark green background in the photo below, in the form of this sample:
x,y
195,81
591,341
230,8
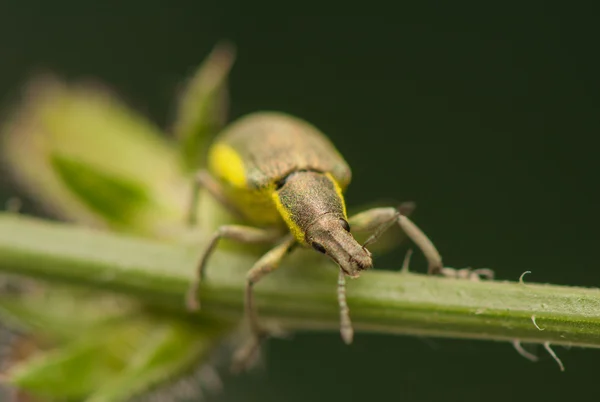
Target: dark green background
x,y
487,117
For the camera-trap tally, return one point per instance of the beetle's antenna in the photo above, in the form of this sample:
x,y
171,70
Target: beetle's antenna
x,y
345,324
381,229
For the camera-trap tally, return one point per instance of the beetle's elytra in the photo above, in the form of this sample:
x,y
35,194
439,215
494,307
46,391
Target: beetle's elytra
x,y
286,181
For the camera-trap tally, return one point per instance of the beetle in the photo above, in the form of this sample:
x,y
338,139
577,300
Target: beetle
x,y
286,180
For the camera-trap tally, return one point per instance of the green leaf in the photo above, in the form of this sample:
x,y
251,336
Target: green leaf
x,y
78,368
169,350
133,354
99,345
62,313
61,128
202,108
116,199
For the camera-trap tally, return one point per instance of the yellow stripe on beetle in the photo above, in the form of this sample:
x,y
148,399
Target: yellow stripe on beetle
x,y
228,165
339,192
286,214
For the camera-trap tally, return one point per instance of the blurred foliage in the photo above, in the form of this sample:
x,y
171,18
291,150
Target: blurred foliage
x,y
87,158
202,110
482,114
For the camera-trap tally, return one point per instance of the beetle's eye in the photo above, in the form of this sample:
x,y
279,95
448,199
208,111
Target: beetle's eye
x,y
319,247
345,225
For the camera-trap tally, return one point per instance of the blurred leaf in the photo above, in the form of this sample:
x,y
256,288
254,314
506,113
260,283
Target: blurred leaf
x,y
118,200
84,123
202,109
63,313
90,159
77,369
169,350
93,344
119,361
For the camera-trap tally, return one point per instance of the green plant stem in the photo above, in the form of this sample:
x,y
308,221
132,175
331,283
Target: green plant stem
x,y
302,294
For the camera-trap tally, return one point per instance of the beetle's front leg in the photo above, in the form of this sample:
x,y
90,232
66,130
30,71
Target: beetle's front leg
x,y
267,263
381,219
242,234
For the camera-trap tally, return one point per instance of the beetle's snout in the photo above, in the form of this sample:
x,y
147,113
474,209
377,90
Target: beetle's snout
x,y
329,235
356,262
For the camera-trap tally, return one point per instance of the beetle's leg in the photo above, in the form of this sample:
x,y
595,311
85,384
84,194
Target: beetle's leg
x,y
267,263
370,220
389,239
242,234
346,329
381,219
203,179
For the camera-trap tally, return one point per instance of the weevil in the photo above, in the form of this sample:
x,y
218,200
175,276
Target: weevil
x,y
286,180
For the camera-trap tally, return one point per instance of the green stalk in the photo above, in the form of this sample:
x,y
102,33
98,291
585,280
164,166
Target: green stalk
x,y
302,294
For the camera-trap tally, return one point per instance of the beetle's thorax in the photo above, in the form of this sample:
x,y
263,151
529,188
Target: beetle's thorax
x,y
312,205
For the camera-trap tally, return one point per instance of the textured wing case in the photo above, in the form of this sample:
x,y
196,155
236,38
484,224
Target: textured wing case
x,y
271,145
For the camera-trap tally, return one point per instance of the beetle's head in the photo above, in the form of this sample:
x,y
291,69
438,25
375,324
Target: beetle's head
x,y
312,205
330,234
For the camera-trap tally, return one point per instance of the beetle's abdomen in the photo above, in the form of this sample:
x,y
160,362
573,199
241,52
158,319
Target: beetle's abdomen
x,y
260,149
